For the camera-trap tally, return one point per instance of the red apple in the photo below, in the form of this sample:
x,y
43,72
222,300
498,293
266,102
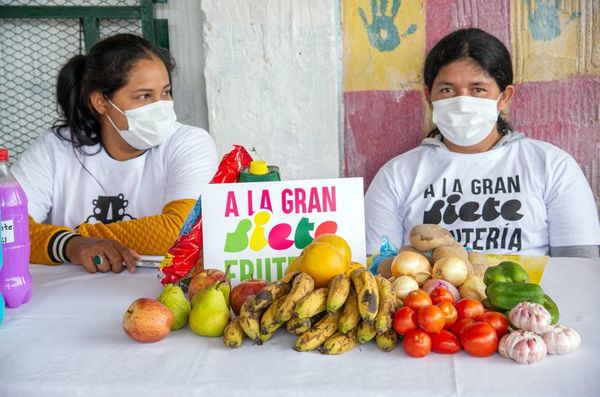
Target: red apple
x,y
203,279
198,267
243,290
147,320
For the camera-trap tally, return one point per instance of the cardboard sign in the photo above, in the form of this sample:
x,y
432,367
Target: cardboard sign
x,y
255,230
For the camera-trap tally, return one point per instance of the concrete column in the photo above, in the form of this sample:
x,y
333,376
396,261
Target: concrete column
x,y
273,81
185,41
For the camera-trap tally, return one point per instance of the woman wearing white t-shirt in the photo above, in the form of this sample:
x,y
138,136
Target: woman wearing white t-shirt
x,y
493,188
117,174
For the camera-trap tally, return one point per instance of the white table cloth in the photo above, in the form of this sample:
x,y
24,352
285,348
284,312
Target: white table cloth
x,y
68,341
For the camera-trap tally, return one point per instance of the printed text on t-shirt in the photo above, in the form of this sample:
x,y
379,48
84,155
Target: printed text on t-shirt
x,y
486,205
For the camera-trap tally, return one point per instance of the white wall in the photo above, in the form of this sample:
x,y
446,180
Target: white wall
x,y
185,41
273,73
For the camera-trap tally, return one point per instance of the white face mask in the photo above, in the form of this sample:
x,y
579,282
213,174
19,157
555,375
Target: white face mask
x,y
149,125
465,120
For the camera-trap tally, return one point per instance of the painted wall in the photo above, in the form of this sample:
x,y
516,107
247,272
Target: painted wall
x,y
273,81
556,57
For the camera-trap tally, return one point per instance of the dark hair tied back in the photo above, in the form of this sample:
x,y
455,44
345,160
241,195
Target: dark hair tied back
x,y
486,50
106,69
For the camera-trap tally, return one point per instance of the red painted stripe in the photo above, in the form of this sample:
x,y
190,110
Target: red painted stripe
x,y
566,114
379,125
444,16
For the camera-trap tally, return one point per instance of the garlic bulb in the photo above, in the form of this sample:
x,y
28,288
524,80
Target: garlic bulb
x,y
530,317
561,340
524,347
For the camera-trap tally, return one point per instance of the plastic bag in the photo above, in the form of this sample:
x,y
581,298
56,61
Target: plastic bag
x,y
186,252
387,250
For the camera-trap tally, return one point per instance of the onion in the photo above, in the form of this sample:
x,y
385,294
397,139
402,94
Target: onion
x,y
403,285
421,277
452,269
408,263
432,284
479,263
428,254
473,287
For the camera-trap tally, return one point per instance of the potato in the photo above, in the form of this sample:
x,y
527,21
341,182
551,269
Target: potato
x,y
385,267
429,237
416,251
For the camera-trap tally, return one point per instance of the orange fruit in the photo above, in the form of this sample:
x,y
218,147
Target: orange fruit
x,y
322,262
294,266
338,242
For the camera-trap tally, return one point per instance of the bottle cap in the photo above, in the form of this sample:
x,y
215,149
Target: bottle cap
x,y
259,167
3,154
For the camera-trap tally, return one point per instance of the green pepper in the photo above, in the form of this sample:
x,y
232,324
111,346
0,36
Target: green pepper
x,y
487,304
551,306
505,272
505,296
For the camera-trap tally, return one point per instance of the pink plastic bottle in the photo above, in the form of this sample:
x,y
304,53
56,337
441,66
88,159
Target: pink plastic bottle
x,y
15,280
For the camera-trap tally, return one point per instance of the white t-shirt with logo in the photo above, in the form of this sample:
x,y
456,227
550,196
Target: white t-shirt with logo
x,y
67,188
524,196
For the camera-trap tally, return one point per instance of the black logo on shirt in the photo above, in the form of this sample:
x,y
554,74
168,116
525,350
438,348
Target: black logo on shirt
x,y
109,209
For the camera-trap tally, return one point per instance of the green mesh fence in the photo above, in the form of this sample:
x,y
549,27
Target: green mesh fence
x,y
32,51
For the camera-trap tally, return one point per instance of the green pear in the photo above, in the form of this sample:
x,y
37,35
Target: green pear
x,y
173,297
210,310
222,286
225,289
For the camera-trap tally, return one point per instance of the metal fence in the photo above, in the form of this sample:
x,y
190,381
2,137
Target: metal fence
x,y
37,37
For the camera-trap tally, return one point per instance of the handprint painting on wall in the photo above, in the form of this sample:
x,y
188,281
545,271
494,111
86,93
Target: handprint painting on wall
x,y
382,29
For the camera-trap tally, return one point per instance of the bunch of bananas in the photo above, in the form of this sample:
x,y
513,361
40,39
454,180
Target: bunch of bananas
x,y
263,314
352,310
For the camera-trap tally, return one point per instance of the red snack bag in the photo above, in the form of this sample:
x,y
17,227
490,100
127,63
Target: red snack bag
x,y
186,252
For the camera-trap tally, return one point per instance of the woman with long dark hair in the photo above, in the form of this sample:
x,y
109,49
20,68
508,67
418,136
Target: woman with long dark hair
x,y
117,174
493,188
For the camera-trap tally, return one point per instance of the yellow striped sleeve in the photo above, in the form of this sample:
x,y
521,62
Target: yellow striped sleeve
x,y
151,235
48,242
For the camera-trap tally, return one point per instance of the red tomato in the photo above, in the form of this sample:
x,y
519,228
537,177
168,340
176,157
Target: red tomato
x,y
450,314
498,321
416,343
405,320
470,308
417,299
441,294
480,339
431,319
444,342
461,325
